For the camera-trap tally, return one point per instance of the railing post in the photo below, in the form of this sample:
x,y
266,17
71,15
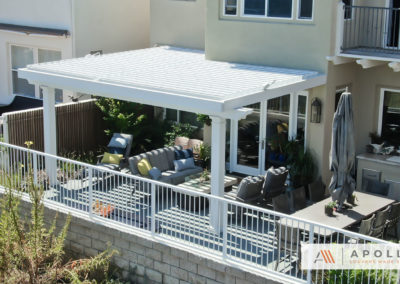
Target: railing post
x,y
90,192
225,228
311,241
153,208
35,168
339,28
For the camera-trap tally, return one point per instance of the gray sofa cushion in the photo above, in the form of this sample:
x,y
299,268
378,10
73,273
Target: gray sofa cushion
x,y
106,166
133,161
175,178
249,189
274,181
159,159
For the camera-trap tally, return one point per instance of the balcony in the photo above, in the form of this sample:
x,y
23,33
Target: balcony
x,y
369,35
371,31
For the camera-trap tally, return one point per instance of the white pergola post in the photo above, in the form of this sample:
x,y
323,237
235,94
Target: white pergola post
x,y
50,131
218,140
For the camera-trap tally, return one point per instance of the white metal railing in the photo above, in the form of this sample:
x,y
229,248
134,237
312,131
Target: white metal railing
x,y
371,30
250,237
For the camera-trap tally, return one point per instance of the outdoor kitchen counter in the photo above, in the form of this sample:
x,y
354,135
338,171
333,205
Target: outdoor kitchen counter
x,y
381,168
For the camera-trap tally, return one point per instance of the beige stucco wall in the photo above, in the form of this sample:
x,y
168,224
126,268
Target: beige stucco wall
x,y
365,85
283,43
110,26
178,23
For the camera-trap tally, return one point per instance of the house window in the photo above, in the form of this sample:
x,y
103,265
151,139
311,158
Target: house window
x,y
305,9
347,9
231,7
269,8
180,116
389,124
280,8
22,56
254,7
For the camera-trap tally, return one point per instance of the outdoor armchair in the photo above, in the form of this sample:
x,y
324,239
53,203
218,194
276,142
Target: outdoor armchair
x,y
120,143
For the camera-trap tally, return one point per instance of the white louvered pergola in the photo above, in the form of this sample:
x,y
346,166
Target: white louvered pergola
x,y
174,78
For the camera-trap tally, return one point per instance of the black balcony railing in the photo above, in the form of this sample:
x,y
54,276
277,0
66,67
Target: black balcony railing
x,y
371,31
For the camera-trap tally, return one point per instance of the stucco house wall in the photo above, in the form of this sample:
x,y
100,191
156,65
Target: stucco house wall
x,y
178,23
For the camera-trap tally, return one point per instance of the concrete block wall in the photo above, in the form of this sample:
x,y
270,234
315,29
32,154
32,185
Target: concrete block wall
x,y
142,260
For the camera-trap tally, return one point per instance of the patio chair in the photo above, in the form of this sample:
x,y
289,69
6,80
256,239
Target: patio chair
x,y
248,190
376,187
281,203
379,225
289,242
298,198
393,220
316,190
182,141
366,226
274,183
119,144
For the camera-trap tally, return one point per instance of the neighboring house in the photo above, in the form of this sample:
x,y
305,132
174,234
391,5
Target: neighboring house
x,y
46,30
356,47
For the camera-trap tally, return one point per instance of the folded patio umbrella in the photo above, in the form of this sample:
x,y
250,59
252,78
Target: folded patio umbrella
x,y
342,156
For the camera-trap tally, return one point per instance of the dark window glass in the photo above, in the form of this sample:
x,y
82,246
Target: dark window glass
x,y
230,7
347,10
280,8
391,118
306,8
254,7
171,114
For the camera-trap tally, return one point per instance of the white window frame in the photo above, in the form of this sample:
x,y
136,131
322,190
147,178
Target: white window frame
x,y
224,9
381,102
265,16
35,61
312,12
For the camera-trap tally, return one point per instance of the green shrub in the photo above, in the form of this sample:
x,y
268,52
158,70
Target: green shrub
x,y
136,119
179,130
32,253
361,276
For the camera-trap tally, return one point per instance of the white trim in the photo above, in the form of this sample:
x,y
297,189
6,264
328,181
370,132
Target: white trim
x,y
381,102
298,12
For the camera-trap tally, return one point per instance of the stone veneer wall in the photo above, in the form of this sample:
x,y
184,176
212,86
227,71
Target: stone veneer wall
x,y
145,261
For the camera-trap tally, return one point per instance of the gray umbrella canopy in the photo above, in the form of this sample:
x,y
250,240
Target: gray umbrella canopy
x,y
342,156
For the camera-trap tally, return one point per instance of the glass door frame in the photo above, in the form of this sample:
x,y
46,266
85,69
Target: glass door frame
x,y
293,115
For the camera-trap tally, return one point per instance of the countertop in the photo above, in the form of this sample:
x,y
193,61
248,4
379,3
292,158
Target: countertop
x,y
383,159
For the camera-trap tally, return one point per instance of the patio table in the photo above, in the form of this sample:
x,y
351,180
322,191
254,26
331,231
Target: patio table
x,y
366,205
195,184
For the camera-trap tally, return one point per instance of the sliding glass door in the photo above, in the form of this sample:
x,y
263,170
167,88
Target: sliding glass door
x,y
258,142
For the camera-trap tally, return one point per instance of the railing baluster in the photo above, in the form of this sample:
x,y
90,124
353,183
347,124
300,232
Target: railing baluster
x,y
91,193
153,208
225,229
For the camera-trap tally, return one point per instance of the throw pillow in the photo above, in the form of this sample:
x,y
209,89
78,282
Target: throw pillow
x,y
183,154
184,164
155,173
109,158
144,167
117,141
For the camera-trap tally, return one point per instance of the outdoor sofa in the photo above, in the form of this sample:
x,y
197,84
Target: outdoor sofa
x,y
163,159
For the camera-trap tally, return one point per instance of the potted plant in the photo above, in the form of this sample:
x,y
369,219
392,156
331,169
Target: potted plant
x,y
204,155
205,176
329,208
351,199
